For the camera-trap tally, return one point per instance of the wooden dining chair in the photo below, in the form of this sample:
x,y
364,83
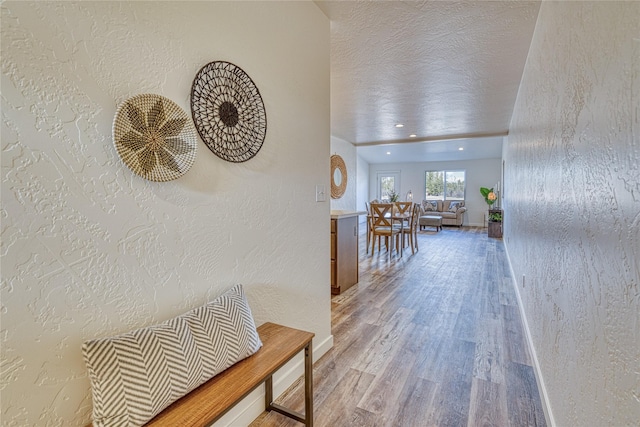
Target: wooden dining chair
x,y
383,226
369,221
403,209
412,230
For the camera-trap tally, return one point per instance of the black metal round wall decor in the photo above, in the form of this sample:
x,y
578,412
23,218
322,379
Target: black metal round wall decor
x,y
228,111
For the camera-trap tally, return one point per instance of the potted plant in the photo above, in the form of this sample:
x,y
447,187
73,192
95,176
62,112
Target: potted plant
x,y
495,216
393,196
489,196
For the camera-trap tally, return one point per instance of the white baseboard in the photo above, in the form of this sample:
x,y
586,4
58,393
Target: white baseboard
x,y
546,402
322,348
252,406
474,224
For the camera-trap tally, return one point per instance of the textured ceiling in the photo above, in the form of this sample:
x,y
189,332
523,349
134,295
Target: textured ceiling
x,y
446,70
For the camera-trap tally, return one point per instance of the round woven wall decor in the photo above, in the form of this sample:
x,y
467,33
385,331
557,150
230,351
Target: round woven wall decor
x,y
337,190
154,137
228,111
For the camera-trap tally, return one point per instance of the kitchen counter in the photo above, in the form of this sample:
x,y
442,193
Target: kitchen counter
x,y
339,214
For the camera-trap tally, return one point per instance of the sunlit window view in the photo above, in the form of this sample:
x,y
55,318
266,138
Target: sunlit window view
x,y
444,185
387,186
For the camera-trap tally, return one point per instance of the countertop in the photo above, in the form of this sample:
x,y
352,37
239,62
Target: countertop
x,y
338,214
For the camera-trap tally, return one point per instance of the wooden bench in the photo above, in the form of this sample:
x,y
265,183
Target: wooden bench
x,y
213,399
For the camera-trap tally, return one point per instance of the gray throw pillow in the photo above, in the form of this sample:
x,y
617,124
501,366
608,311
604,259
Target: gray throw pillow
x,y
430,205
134,376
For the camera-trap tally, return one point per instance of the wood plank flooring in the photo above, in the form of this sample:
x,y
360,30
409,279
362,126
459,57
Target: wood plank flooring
x,y
429,339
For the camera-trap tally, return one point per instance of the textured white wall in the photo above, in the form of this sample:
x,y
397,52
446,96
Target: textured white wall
x,y
347,151
573,208
479,173
88,248
362,186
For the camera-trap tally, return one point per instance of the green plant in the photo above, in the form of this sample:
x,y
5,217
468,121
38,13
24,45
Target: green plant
x,y
488,194
495,217
393,196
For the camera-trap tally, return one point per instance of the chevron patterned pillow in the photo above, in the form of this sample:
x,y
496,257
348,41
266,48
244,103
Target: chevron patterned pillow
x,y
136,375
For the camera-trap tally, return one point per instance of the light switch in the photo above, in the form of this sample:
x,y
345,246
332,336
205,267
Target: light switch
x,y
321,194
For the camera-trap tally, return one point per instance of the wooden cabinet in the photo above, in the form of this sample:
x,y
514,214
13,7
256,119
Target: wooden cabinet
x,y
344,253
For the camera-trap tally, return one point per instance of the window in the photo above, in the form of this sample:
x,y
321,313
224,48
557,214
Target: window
x,y
388,182
444,185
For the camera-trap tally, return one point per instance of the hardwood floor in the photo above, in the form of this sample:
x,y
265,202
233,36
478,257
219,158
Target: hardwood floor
x,y
430,339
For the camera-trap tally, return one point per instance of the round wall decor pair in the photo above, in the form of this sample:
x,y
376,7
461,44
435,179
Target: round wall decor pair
x,y
155,138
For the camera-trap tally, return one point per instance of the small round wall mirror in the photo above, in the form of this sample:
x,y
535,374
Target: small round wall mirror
x,y
338,177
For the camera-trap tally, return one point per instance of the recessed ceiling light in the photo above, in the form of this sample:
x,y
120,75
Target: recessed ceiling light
x,y
399,125
461,149
388,153
413,135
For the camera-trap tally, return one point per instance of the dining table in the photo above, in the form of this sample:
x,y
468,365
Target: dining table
x,y
395,216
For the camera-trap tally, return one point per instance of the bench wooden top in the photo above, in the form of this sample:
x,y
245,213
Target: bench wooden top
x,y
215,397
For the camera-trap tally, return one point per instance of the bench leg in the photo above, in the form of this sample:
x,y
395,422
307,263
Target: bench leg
x,y
268,392
307,418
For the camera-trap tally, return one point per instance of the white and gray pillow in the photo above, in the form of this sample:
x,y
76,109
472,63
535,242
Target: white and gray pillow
x,y
430,205
454,206
134,376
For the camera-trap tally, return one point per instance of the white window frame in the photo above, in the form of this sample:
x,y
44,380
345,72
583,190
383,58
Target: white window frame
x,y
396,182
444,171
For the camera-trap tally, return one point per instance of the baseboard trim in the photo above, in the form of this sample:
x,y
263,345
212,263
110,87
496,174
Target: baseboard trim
x,y
245,412
475,224
536,365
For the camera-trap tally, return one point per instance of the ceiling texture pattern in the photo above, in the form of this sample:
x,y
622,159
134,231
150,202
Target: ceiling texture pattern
x,y
446,70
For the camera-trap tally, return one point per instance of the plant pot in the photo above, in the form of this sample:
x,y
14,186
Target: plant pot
x,y
495,229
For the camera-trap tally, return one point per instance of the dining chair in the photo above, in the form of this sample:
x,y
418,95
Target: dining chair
x,y
403,209
412,230
383,226
369,221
